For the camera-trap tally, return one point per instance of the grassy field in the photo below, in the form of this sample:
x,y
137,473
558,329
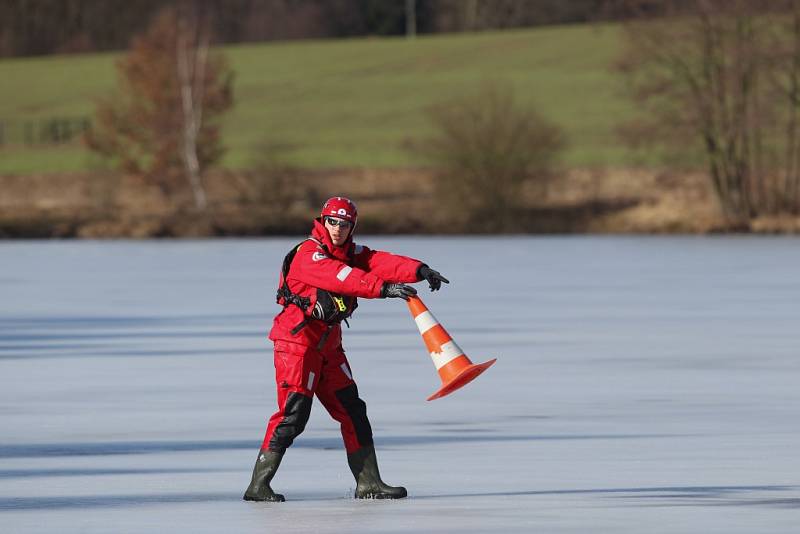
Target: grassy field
x,y
352,103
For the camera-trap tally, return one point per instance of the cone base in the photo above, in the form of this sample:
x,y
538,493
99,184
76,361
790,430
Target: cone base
x,y
467,375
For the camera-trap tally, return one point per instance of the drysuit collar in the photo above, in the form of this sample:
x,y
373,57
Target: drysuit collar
x,y
320,233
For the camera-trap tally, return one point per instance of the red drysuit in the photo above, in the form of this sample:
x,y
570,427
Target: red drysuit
x,y
309,358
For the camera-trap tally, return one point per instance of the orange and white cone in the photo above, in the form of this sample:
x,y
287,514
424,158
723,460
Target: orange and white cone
x,y
455,369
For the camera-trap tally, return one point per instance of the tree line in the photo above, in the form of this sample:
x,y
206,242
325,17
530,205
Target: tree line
x,y
40,27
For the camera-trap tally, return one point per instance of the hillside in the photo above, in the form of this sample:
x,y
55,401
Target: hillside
x,y
348,103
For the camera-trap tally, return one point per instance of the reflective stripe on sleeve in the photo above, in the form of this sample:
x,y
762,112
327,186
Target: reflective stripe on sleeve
x,y
346,371
344,273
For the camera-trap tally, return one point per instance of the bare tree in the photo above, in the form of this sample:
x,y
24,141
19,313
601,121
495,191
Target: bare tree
x,y
161,121
411,18
193,38
785,78
703,71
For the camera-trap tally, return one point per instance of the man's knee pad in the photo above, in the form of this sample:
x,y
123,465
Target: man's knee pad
x,y
357,412
296,411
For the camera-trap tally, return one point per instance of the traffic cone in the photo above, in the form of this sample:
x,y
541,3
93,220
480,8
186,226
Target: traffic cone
x,y
455,369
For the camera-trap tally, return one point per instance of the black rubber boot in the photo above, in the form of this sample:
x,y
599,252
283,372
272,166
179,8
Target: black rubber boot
x,y
266,466
369,485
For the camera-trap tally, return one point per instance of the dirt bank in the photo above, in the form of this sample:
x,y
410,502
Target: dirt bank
x,y
390,201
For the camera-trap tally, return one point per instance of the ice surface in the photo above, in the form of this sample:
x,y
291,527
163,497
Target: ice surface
x,y
642,385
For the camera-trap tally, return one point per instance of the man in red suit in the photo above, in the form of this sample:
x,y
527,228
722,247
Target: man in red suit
x,y
320,282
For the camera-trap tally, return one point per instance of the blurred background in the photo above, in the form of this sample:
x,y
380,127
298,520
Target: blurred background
x,y
178,118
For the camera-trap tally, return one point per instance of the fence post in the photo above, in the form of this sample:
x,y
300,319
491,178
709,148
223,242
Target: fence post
x,y
44,131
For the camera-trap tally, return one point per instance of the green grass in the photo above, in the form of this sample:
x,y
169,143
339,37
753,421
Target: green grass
x,y
353,102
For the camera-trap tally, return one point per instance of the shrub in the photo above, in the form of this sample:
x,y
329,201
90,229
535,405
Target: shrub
x,y
486,148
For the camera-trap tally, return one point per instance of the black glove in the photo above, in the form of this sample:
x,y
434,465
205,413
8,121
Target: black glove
x,y
433,277
392,291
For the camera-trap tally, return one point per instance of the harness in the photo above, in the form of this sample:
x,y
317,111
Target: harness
x,y
329,308
284,297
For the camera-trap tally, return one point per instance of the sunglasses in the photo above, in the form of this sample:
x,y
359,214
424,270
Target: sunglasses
x,y
338,222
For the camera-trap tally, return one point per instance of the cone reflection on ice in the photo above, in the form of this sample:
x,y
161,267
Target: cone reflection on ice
x,y
455,369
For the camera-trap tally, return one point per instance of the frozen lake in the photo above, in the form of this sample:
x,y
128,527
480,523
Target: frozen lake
x,y
642,385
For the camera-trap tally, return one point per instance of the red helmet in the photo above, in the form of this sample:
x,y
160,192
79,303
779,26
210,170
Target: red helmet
x,y
340,207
